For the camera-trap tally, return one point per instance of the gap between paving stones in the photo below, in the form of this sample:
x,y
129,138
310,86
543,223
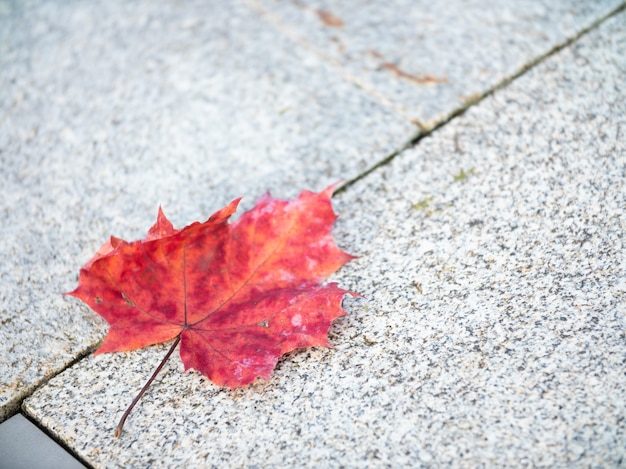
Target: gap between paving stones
x,y
478,99
414,141
18,408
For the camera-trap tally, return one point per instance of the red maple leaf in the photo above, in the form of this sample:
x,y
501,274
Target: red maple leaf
x,y
235,296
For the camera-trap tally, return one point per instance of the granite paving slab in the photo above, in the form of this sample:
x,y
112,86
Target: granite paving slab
x,y
426,59
492,328
110,108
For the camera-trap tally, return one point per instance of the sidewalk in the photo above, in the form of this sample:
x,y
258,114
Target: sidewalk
x,y
491,253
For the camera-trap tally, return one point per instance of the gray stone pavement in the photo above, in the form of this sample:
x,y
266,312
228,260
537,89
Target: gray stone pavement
x,y
427,59
491,254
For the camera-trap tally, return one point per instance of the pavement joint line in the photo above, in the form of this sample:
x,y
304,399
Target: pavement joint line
x,y
420,134
20,410
19,406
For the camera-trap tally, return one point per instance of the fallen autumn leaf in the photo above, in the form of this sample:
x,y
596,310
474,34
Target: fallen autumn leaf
x,y
235,296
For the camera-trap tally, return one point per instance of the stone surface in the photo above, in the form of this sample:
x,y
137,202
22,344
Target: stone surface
x,y
425,59
24,446
492,333
109,108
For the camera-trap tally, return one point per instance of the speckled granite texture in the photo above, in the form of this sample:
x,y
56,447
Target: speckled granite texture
x,y
492,332
425,59
110,108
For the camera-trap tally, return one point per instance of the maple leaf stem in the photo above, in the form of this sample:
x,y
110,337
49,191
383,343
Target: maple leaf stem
x,y
120,426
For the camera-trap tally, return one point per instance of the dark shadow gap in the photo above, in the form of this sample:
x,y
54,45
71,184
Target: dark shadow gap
x,y
54,438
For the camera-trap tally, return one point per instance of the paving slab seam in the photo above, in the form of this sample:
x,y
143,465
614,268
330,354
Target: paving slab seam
x,y
533,63
423,133
30,391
